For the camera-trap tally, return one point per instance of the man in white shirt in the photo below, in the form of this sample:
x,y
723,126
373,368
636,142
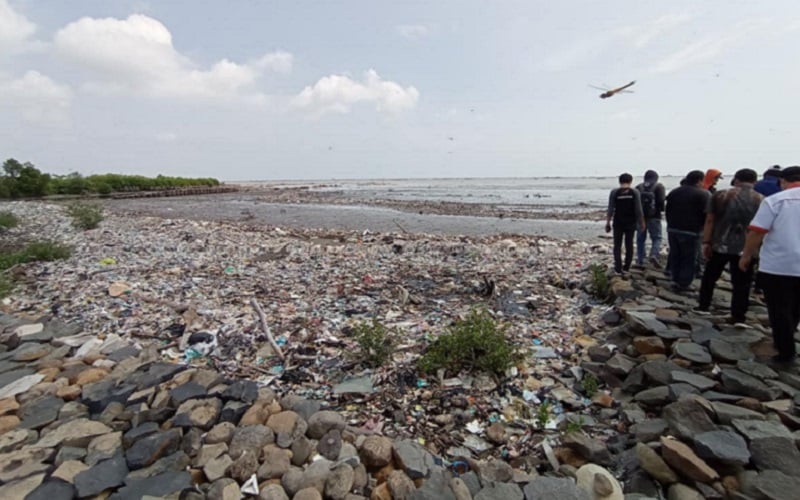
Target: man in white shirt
x,y
776,229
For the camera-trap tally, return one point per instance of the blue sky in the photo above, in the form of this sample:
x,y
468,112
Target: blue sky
x,y
316,90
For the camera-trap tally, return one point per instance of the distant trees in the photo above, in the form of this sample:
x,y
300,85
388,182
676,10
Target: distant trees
x,y
23,180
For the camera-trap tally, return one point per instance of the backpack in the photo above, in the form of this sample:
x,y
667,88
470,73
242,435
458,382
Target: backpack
x,y
648,197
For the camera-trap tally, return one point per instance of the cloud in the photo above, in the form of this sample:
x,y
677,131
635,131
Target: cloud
x,y
338,94
645,33
710,46
413,32
15,29
37,98
136,55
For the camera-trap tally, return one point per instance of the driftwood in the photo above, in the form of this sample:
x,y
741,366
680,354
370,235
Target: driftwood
x,y
265,328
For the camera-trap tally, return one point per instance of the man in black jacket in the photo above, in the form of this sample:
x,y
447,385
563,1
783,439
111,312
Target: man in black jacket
x,y
686,207
625,209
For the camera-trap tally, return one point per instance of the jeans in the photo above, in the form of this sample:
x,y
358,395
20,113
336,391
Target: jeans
x,y
782,294
741,282
682,257
653,227
626,230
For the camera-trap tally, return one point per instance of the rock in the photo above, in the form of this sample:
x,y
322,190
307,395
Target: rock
x,y
660,371
644,322
276,463
178,461
283,422
723,446
40,412
25,462
756,429
649,345
316,475
693,352
307,494
496,433
738,382
224,489
217,468
8,422
682,458
499,491
620,364
69,469
699,381
727,413
250,437
649,430
244,467
590,449
655,396
323,421
208,453
185,392
102,447
139,432
106,474
220,433
460,489
599,483
21,488
777,453
550,487
686,418
340,482
272,492
245,391
301,450
495,471
376,451
330,444
52,490
436,487
146,451
728,351
78,432
99,395
680,491
654,465
200,413
19,385
162,485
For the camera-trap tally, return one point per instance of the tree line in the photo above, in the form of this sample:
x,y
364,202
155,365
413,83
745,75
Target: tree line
x,y
24,180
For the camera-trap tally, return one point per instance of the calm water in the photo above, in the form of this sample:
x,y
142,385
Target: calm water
x,y
558,193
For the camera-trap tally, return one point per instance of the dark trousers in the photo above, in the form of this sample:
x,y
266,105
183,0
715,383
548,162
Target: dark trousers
x,y
628,231
782,294
740,280
682,257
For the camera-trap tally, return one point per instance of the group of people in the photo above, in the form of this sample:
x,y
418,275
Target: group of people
x,y
753,224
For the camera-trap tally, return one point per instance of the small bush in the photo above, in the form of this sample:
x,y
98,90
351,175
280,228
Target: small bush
x,y
85,215
474,343
374,341
574,425
5,286
590,385
37,251
599,281
543,414
8,220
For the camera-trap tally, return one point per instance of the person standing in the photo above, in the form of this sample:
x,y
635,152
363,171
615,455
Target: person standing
x,y
771,182
728,215
625,209
776,230
652,194
685,211
710,180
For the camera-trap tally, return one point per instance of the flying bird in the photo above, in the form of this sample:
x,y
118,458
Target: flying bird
x,y
611,92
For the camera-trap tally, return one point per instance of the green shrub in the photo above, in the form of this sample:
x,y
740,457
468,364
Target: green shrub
x,y
599,281
85,215
5,286
475,343
374,341
36,251
574,425
543,414
590,385
8,220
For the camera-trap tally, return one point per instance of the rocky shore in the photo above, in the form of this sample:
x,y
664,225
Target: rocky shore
x,y
101,396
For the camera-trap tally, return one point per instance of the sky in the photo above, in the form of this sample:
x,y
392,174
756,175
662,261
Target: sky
x,y
269,90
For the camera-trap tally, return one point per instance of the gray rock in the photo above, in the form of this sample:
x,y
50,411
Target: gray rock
x,y
495,471
699,381
153,374
679,491
171,463
591,449
275,463
305,408
644,322
660,371
322,422
740,383
301,450
500,491
201,413
728,351
99,395
69,453
146,451
620,364
727,413
272,492
340,482
330,444
656,396
224,489
250,437
161,485
747,336
704,336
52,490
723,446
654,465
693,352
757,429
649,430
687,418
291,480
233,411
436,487
678,390
107,474
185,392
40,413
139,432
245,391
777,453
316,475
774,485
551,487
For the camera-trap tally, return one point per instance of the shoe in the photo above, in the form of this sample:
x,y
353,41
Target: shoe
x,y
655,263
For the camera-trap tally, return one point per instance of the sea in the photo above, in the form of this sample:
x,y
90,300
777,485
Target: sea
x,y
558,193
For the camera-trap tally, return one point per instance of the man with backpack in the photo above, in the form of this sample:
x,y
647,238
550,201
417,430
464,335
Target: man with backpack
x,y
625,209
727,217
652,195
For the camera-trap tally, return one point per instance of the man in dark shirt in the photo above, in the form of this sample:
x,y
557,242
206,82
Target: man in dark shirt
x,y
771,182
728,215
686,206
625,209
652,195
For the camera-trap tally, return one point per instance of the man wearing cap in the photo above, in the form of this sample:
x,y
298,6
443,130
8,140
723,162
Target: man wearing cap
x,y
771,182
727,217
686,206
776,229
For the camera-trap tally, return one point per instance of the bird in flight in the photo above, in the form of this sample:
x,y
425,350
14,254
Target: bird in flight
x,y
611,92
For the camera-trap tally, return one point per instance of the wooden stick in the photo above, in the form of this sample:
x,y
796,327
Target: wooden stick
x,y
265,328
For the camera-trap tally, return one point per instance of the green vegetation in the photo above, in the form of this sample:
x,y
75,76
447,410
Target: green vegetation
x,y
8,220
543,414
590,385
574,425
474,343
24,180
5,286
599,281
85,215
374,341
33,252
